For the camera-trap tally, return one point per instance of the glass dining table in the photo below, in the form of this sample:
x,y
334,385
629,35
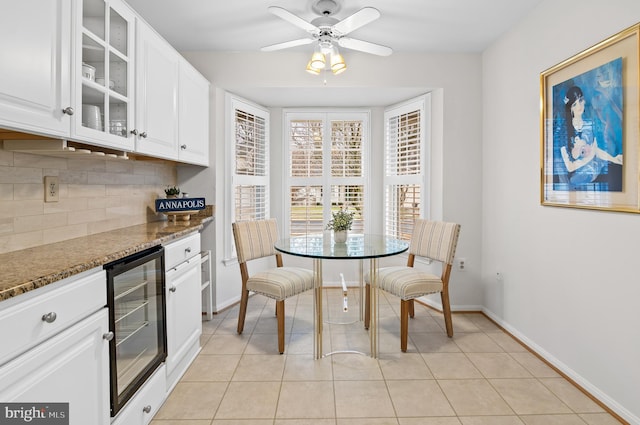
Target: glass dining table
x,y
357,247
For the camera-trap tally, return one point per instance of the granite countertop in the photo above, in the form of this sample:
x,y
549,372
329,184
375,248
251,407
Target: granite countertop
x,y
32,268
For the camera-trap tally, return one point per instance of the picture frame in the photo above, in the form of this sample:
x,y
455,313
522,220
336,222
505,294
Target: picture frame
x,y
589,127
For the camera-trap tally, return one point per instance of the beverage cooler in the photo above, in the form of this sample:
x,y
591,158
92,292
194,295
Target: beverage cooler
x,y
136,301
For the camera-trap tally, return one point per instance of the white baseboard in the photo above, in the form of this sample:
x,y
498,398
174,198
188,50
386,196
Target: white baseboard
x,y
566,370
217,307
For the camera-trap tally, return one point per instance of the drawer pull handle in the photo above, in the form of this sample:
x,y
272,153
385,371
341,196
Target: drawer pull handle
x,y
49,317
108,336
187,250
147,408
173,288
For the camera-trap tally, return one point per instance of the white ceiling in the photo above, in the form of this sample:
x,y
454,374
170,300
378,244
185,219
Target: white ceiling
x,y
407,26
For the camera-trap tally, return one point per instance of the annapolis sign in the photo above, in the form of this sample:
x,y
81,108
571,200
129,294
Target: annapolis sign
x,y
179,204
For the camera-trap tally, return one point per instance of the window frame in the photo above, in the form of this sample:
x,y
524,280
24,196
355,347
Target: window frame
x,y
326,115
423,104
233,103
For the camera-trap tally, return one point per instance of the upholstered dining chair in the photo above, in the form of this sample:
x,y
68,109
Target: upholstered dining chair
x,y
430,239
256,239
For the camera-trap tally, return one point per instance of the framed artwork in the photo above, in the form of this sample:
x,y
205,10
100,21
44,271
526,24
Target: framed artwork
x,y
589,127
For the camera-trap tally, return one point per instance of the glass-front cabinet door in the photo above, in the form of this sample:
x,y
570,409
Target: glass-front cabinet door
x,y
104,73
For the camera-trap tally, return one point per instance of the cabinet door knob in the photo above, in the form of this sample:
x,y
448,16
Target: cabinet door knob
x,y
143,134
187,250
147,408
183,147
49,317
108,336
134,132
173,288
68,110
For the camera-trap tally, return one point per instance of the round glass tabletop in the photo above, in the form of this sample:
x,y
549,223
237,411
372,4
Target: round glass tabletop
x,y
357,246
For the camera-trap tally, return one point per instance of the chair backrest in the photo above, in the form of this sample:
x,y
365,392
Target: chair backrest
x,y
434,239
255,239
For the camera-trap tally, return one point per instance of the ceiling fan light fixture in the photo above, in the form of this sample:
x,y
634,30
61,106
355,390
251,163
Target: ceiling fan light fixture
x,y
311,70
318,60
338,65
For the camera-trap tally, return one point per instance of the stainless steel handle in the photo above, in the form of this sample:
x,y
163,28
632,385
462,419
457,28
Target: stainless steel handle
x,y
147,408
134,132
49,317
68,110
108,336
183,147
143,134
173,288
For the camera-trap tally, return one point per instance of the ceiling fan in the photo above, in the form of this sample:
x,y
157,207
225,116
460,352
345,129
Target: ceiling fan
x,y
329,32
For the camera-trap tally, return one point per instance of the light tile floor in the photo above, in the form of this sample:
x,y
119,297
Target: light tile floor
x,y
481,376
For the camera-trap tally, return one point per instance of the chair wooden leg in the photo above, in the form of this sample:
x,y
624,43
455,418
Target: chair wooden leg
x,y
412,311
280,316
404,323
446,309
244,299
367,307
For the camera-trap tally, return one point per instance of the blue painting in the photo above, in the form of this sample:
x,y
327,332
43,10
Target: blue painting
x,y
587,131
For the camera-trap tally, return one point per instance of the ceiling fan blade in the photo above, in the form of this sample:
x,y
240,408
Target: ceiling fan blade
x,y
357,20
287,44
294,19
364,46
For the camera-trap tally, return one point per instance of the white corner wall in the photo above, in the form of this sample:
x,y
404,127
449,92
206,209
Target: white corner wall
x,y
570,279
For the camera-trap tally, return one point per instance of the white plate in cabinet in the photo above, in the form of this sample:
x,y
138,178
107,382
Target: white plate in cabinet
x,y
72,367
29,319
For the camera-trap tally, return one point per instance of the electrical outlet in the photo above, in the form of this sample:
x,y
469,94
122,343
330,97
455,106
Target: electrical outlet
x,y
51,189
462,264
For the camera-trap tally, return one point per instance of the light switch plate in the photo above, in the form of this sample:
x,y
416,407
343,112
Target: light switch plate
x,y
51,189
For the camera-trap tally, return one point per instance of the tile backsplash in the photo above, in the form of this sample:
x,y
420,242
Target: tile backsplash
x,y
96,195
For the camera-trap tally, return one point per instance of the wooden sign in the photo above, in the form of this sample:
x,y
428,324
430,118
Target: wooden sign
x,y
179,204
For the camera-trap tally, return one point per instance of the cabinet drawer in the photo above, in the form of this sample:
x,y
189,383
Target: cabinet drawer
x,y
146,402
49,310
181,250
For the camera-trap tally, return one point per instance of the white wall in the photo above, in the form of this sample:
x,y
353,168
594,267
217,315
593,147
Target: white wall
x,y
456,78
570,285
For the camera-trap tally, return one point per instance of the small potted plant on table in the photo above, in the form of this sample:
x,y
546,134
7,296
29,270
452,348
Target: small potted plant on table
x,y
340,224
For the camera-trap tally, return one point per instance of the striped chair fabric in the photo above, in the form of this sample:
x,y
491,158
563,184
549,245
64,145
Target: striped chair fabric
x,y
430,239
256,239
436,241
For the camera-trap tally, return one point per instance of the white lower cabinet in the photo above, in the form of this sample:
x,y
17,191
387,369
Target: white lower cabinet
x,y
71,367
184,306
141,408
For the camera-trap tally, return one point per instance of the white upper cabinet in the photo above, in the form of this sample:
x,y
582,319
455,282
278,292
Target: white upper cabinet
x,y
103,73
156,95
193,116
34,66
172,98
92,71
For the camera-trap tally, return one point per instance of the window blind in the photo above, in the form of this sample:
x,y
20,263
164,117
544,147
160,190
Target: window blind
x,y
404,169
